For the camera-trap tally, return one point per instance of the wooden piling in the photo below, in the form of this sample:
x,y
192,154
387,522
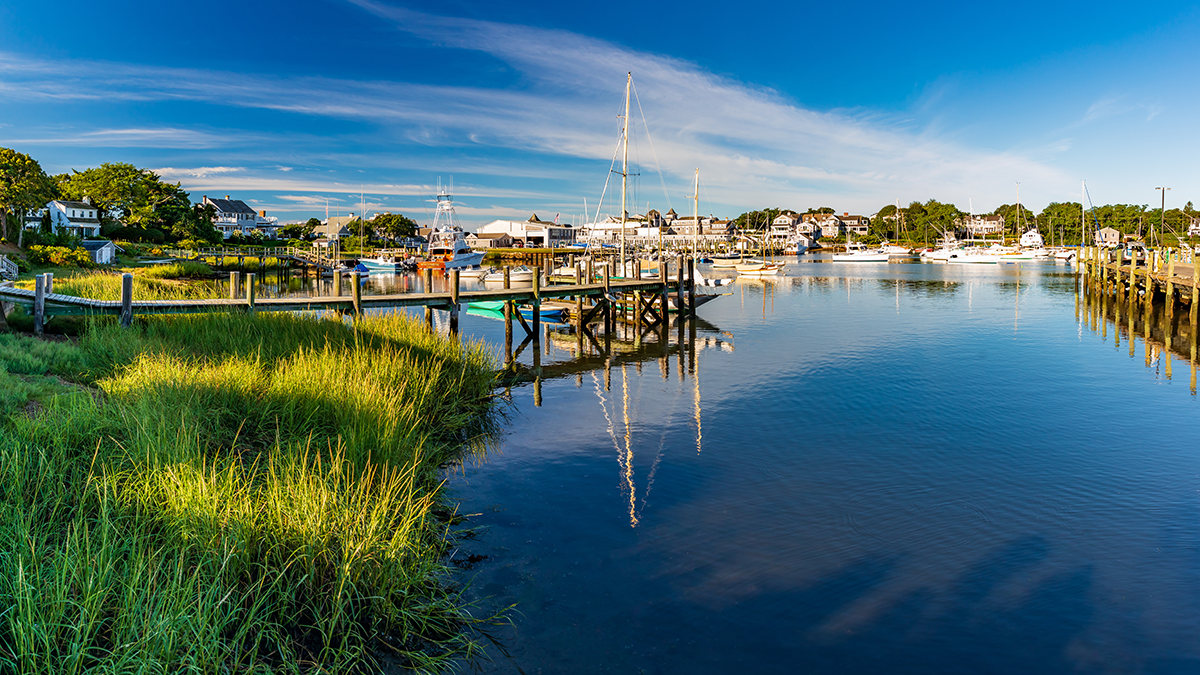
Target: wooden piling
x,y
126,300
537,308
39,304
235,283
679,306
691,270
356,292
49,282
251,291
454,301
337,284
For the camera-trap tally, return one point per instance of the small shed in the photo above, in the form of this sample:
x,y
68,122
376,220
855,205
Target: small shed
x,y
102,252
1108,237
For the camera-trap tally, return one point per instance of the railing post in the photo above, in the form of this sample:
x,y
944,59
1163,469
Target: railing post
x,y
537,307
126,300
337,284
39,304
250,291
679,306
49,282
235,282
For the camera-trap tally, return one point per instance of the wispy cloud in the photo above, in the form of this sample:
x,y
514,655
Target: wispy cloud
x,y
753,145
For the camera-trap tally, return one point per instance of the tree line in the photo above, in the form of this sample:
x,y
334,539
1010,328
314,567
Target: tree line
x,y
135,204
1058,221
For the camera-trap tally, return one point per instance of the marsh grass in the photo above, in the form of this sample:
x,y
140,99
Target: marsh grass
x,y
242,494
107,286
184,269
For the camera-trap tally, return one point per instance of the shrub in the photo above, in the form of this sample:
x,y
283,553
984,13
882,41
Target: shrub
x,y
60,256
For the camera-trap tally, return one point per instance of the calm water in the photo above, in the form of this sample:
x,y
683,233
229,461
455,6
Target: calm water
x,y
897,468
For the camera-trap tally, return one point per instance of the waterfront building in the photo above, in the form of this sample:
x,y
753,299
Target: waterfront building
x,y
533,231
1108,237
489,240
232,215
978,226
859,225
102,251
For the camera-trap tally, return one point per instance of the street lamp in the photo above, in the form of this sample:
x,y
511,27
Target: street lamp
x,y
1162,213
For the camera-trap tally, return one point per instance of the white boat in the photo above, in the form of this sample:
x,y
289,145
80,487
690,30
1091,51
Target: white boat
x,y
382,263
476,273
859,253
520,274
895,251
759,269
448,248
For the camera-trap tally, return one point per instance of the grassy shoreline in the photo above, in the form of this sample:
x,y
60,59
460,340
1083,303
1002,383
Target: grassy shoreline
x,y
234,493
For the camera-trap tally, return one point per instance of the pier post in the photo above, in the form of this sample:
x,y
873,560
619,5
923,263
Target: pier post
x,y
427,277
49,282
337,284
235,283
126,300
578,307
1170,283
1195,295
664,295
679,306
454,302
250,291
508,318
356,292
537,308
39,304
691,269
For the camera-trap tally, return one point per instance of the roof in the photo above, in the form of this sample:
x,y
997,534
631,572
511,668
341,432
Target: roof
x,y
76,205
96,245
230,205
490,235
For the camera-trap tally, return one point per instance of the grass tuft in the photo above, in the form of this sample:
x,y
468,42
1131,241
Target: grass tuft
x,y
246,493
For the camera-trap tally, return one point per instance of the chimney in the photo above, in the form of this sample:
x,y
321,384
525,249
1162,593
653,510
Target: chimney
x,y
203,199
263,214
226,196
845,214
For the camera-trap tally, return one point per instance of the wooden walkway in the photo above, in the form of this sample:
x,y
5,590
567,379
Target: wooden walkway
x,y
647,298
1171,275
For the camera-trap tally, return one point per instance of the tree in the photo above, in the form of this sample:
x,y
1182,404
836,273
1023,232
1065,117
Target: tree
x,y
394,225
23,187
757,220
126,193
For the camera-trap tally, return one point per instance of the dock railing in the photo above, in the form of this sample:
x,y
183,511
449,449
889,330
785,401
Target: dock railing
x,y
8,269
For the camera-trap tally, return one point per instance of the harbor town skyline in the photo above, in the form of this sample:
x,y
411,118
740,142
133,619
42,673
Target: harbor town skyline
x,y
296,110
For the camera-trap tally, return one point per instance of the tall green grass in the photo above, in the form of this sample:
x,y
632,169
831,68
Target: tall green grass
x,y
241,494
184,269
107,286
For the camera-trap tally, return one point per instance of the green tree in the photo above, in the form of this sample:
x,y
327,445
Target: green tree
x,y
757,221
23,187
394,225
126,193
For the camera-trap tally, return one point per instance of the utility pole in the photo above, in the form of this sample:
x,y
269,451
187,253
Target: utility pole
x,y
1162,215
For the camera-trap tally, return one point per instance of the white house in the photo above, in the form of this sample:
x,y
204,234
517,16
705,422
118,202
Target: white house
x,y
1193,226
534,231
982,225
233,215
859,225
81,219
1108,237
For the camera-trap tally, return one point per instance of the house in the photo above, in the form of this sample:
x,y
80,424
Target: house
x,y
788,220
334,228
981,225
1193,226
232,215
102,251
859,225
1108,237
533,231
489,240
268,225
81,219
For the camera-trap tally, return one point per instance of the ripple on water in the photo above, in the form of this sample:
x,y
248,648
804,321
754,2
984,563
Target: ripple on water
x,y
900,516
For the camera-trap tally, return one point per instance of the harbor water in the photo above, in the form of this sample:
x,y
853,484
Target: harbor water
x,y
902,468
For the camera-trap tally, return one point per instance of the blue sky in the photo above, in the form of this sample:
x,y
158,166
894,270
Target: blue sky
x,y
288,105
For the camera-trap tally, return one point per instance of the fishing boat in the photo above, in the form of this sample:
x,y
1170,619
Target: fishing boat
x,y
381,263
448,248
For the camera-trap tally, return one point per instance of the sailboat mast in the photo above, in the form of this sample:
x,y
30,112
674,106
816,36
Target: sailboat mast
x,y
1082,213
696,212
625,166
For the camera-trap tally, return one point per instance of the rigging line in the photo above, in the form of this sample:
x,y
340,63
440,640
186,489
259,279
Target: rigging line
x,y
616,151
657,167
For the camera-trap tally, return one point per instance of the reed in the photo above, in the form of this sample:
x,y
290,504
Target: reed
x,y
244,493
107,286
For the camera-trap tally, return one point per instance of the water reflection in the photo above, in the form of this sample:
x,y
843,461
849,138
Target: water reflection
x,y
1165,331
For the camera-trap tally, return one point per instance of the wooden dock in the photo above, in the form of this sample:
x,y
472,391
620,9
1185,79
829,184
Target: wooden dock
x,y
595,301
